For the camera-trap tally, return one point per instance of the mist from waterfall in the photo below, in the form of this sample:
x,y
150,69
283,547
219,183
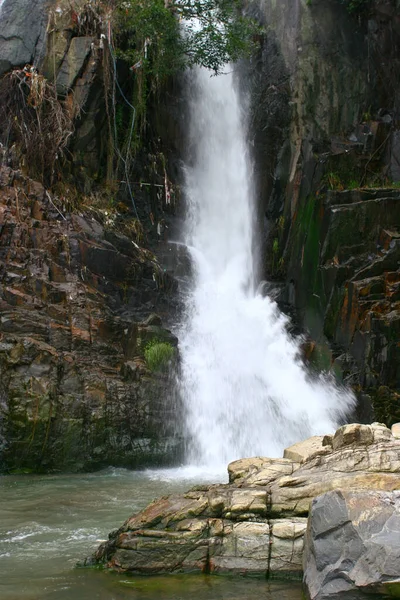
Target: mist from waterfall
x,y
245,389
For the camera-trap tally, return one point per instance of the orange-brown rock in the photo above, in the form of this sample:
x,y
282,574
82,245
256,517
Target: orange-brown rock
x,y
75,390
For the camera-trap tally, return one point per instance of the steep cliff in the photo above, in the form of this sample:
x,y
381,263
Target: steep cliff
x,y
84,259
87,370
326,149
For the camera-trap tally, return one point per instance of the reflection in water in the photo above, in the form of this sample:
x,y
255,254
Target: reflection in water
x,y
48,523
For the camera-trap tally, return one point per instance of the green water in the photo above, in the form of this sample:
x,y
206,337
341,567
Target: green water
x,y
48,523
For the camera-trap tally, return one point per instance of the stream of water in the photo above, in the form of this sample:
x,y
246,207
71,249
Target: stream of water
x,y
48,523
246,390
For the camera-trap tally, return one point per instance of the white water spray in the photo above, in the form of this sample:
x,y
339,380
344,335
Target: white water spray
x,y
245,389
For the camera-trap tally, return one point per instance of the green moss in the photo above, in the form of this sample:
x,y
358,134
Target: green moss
x,y
333,312
357,7
392,588
307,244
23,471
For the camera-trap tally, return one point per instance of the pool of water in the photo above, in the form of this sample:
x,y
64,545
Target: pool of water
x,y
48,523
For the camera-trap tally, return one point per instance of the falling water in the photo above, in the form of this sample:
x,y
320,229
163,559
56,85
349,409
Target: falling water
x,y
245,389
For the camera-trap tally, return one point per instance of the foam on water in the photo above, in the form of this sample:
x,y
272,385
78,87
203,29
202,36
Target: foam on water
x,y
245,388
216,473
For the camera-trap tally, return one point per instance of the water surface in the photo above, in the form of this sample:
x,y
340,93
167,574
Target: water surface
x,y
48,523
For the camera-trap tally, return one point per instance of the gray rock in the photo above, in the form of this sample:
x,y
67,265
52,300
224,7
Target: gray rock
x,y
22,33
73,63
352,544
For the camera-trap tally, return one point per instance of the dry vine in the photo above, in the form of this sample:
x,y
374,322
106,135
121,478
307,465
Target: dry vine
x,y
35,121
88,18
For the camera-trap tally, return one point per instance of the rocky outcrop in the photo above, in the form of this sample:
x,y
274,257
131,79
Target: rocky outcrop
x,y
22,33
256,523
325,116
83,296
78,390
63,42
350,243
352,545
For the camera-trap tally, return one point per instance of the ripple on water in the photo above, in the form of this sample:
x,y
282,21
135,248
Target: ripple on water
x,y
47,524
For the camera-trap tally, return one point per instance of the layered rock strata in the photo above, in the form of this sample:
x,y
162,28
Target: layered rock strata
x,y
76,391
325,127
256,523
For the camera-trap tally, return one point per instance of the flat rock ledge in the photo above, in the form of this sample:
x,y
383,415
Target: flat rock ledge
x,y
256,524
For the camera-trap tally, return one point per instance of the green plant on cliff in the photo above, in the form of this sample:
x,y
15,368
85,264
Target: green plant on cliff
x,y
150,35
158,354
356,6
155,39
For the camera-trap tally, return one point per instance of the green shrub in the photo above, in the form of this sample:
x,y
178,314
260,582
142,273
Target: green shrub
x,y
216,33
158,355
356,6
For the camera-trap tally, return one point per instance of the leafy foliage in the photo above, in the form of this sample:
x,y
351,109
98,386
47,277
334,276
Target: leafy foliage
x,y
158,354
356,6
214,34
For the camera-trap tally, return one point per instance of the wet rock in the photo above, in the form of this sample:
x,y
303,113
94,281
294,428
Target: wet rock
x,y
395,156
256,523
333,250
352,544
77,393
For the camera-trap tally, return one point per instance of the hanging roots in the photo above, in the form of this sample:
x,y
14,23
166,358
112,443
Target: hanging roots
x,y
88,18
34,121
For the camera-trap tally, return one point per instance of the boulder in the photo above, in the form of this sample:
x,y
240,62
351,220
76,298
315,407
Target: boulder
x,y
259,471
352,544
396,430
22,33
287,543
73,63
307,449
242,548
256,523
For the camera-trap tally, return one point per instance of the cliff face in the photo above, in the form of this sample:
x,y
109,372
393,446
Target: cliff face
x,y
87,370
81,275
326,147
78,387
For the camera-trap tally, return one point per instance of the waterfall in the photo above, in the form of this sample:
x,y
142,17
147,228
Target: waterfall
x,y
245,389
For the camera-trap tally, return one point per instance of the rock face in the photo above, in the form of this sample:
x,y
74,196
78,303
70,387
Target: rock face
x,y
22,33
256,523
352,544
63,43
81,295
324,129
76,391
